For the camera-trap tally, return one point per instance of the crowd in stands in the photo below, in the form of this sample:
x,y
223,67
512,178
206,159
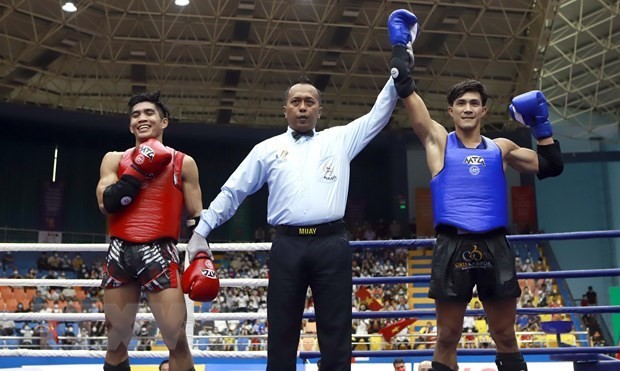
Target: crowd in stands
x,y
251,334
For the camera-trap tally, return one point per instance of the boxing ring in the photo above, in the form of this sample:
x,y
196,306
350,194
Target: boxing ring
x,y
583,358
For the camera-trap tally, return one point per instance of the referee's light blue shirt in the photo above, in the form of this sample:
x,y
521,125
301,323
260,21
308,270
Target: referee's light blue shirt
x,y
308,179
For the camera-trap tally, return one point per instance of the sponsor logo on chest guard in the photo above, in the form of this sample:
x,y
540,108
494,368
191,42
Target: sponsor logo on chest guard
x,y
474,163
328,173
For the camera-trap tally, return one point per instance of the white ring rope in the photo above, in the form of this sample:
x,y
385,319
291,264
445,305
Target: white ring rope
x,y
89,247
132,354
77,317
28,282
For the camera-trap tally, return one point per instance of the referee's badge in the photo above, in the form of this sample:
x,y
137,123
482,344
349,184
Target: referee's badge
x,y
328,171
281,155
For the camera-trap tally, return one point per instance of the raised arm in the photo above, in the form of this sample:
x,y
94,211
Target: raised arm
x,y
531,109
403,29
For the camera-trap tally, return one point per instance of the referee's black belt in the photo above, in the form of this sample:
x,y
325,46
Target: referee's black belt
x,y
325,229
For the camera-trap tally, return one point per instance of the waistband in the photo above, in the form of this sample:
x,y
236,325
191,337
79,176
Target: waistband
x,y
325,229
451,230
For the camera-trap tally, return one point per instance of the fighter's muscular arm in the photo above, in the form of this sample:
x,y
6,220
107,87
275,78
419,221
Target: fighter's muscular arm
x,y
108,174
521,159
192,194
432,134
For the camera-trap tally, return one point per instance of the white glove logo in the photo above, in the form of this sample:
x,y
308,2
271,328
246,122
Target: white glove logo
x,y
394,73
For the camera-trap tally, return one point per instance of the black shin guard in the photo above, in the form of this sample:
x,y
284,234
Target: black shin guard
x,y
440,367
123,366
510,362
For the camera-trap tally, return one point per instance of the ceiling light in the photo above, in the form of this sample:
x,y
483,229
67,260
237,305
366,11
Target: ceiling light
x,y
351,13
69,7
68,42
137,53
181,2
450,20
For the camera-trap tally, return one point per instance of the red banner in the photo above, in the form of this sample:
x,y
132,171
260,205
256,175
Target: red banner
x,y
52,327
392,330
366,297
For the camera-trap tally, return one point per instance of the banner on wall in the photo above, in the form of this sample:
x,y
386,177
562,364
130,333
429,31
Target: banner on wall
x,y
531,366
52,206
49,237
524,209
424,213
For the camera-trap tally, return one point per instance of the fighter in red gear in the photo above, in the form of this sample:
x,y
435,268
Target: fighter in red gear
x,y
143,191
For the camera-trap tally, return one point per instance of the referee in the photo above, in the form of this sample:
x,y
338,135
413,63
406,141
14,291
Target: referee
x,y
307,173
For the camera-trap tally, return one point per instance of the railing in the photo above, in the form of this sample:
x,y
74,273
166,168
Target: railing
x,y
308,342
32,235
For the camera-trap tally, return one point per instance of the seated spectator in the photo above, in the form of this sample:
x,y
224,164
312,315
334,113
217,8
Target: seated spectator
x,y
8,260
53,262
27,334
7,328
77,262
69,340
42,262
16,274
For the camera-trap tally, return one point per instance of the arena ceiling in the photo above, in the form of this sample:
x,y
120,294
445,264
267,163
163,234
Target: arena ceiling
x,y
228,62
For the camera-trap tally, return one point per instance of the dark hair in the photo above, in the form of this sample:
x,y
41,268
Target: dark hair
x,y
163,363
303,79
465,86
150,97
398,360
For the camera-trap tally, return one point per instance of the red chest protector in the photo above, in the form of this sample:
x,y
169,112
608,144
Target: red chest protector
x,y
156,211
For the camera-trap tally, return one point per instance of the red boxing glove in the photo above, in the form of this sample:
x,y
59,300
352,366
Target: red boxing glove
x,y
200,279
148,159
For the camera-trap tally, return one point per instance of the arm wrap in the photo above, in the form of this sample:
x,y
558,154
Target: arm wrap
x,y
401,71
550,162
191,224
120,194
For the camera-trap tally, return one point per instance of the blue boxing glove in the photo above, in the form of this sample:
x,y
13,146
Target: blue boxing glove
x,y
402,27
403,30
531,110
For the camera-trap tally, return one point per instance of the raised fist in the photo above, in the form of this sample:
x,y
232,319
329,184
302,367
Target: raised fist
x,y
403,30
531,110
200,279
148,159
402,27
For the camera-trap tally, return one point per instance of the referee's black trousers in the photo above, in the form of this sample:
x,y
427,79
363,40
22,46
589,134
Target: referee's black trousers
x,y
322,263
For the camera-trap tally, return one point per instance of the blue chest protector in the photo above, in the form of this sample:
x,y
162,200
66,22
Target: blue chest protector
x,y
469,193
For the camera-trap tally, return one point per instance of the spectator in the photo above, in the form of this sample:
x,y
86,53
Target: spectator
x,y
8,260
591,296
42,262
27,333
16,273
425,366
164,365
259,234
395,230
69,338
7,328
77,263
399,364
